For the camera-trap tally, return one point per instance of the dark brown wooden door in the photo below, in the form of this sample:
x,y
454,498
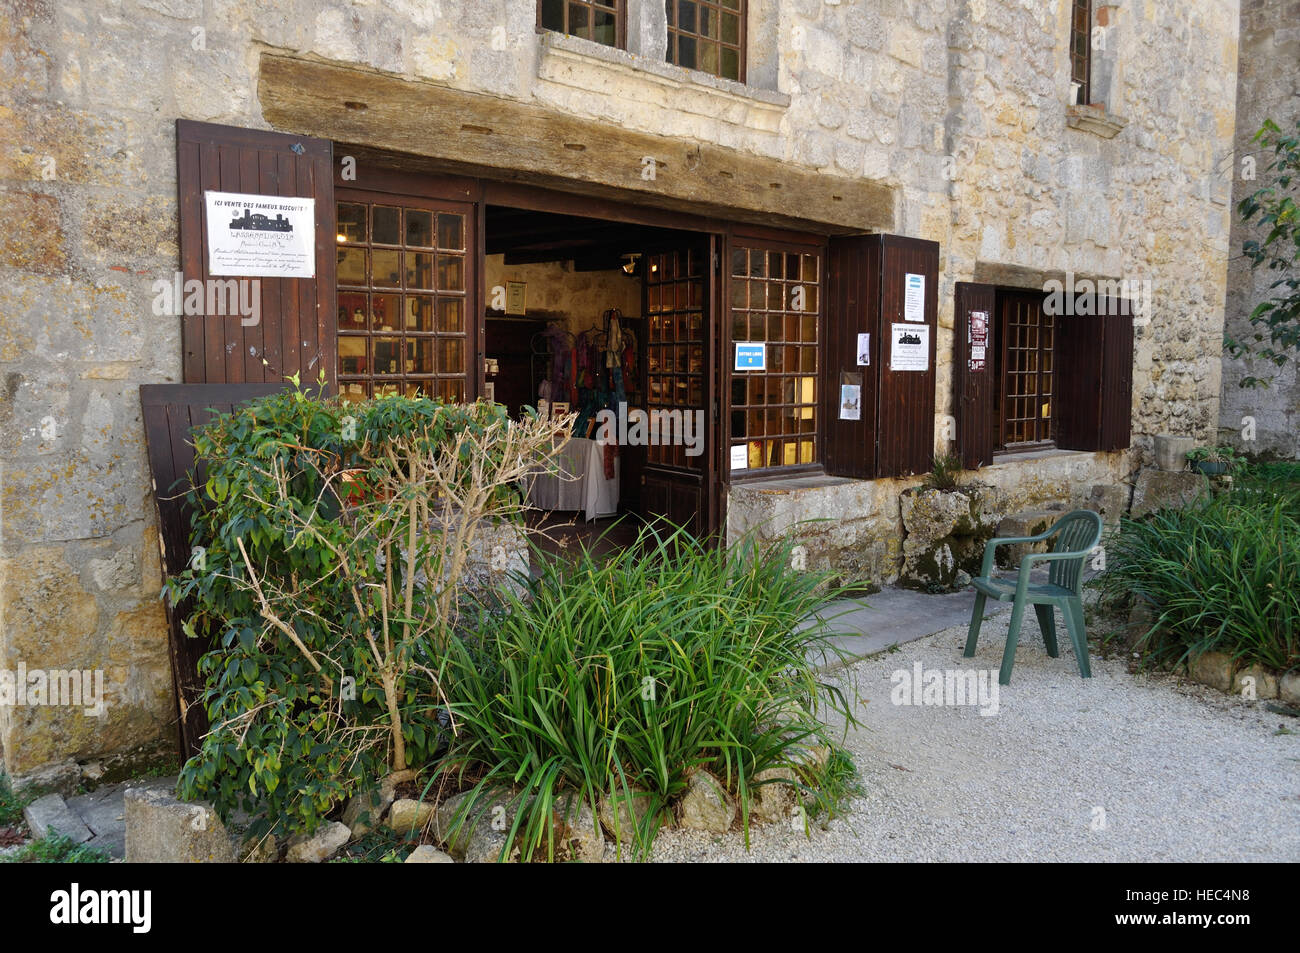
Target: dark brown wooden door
x,y
975,374
679,287
171,412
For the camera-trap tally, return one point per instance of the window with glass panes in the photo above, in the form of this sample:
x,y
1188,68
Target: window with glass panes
x,y
602,21
776,300
1081,47
401,300
1027,372
708,35
675,283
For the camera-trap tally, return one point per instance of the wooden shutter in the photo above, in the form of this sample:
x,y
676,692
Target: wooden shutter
x,y
975,382
852,308
296,330
905,399
1094,376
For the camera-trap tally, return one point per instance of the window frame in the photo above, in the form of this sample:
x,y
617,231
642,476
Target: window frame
x,y
1006,300
1081,63
674,33
620,21
785,244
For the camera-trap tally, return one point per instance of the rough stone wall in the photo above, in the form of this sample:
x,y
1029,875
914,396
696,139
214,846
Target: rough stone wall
x,y
556,291
959,104
1268,87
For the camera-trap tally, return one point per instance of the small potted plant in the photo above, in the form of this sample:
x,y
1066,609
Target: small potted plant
x,y
1212,461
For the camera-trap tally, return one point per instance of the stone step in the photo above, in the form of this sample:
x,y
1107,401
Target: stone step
x,y
51,813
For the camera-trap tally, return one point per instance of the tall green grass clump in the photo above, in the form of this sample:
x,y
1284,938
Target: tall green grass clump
x,y
1221,575
620,675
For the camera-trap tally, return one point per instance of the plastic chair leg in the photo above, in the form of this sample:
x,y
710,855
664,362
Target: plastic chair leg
x,y
1013,638
1047,622
976,620
1079,634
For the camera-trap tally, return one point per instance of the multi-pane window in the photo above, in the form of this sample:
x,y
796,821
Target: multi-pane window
x,y
401,300
1081,47
1028,335
708,35
775,302
600,20
675,284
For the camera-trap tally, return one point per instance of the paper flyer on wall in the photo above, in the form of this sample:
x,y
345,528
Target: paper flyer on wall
x,y
260,236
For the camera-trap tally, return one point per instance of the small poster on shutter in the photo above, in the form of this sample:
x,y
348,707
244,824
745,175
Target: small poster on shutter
x,y
978,331
850,396
864,350
740,457
260,236
910,348
914,298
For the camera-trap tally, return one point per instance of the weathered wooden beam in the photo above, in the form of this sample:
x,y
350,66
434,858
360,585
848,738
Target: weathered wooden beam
x,y
474,134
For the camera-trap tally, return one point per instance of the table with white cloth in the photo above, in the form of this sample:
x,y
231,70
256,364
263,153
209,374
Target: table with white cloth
x,y
578,482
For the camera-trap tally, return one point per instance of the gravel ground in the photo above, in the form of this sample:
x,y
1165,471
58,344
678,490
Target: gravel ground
x,y
1182,772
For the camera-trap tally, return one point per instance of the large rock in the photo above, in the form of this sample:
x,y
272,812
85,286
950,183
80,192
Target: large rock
x,y
774,795
160,829
460,817
579,830
945,533
1164,490
1265,685
322,845
1111,501
1213,669
706,805
1288,688
364,812
622,815
428,854
407,816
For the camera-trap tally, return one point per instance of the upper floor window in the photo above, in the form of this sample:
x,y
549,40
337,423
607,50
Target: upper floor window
x,y
1081,48
601,21
708,35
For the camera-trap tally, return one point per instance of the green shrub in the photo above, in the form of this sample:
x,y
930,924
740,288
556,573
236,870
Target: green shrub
x,y
1221,575
334,541
55,848
622,673
943,475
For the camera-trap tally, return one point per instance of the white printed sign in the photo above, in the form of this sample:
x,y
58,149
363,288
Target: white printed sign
x,y
740,457
914,298
909,348
864,350
260,236
850,402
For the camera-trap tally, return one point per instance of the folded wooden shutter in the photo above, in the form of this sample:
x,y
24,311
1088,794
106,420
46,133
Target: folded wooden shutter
x,y
906,398
852,308
296,330
1094,375
975,382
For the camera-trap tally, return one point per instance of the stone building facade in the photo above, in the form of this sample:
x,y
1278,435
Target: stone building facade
x,y
946,120
1260,420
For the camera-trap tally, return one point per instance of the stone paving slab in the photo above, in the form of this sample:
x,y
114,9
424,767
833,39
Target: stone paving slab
x,y
51,813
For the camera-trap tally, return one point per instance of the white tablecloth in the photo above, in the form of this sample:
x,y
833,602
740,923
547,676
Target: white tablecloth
x,y
579,483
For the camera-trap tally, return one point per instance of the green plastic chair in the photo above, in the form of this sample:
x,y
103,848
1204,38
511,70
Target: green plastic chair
x,y
1077,534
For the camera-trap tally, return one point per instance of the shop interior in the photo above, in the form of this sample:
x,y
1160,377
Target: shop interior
x,y
565,331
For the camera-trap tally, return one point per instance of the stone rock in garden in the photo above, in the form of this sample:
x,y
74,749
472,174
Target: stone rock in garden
x,y
160,829
51,814
407,815
1288,688
1111,501
773,798
706,805
962,580
579,829
365,811
428,854
320,846
1265,681
631,811
945,532
1165,490
1213,669
485,845
497,806
259,850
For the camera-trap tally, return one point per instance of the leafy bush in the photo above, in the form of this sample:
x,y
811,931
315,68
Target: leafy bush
x,y
624,673
332,542
1222,575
